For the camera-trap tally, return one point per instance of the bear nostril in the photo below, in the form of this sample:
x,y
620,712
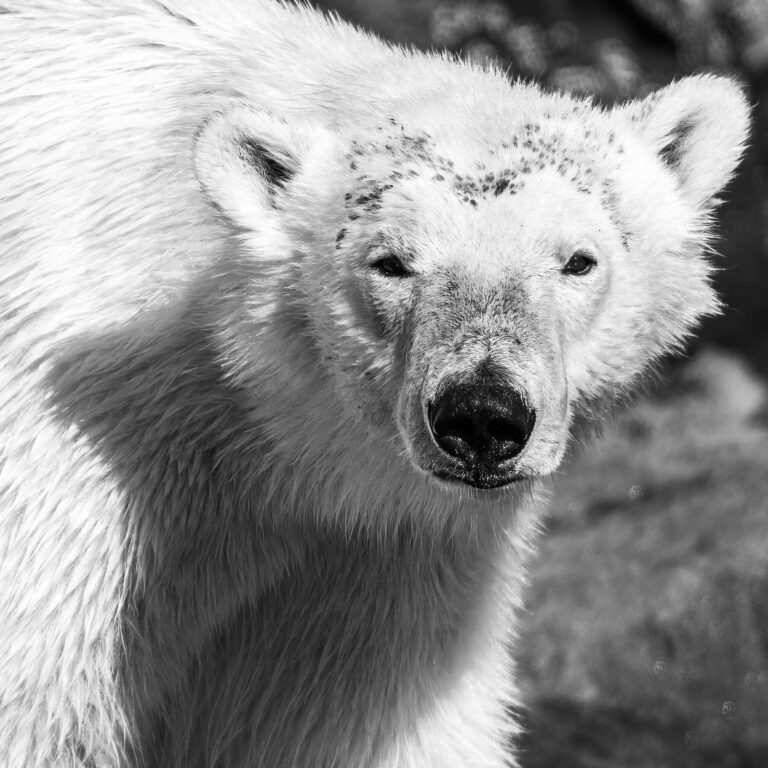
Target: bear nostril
x,y
481,423
505,430
449,424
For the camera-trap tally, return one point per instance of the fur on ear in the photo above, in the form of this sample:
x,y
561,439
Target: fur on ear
x,y
245,159
697,127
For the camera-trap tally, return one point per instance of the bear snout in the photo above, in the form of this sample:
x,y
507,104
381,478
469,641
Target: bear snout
x,y
481,424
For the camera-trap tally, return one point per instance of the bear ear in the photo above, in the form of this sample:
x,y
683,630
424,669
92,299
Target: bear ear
x,y
697,127
245,160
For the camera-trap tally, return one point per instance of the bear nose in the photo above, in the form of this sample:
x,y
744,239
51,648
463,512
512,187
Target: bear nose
x,y
481,423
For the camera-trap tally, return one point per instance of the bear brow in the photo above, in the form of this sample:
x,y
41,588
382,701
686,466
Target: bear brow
x,y
393,242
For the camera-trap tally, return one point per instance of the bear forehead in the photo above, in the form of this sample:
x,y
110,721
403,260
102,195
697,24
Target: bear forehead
x,y
480,169
586,156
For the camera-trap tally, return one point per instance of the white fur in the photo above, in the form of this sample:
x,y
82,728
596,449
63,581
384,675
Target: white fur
x,y
220,538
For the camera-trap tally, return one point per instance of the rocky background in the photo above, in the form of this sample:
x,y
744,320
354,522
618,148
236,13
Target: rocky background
x,y
645,644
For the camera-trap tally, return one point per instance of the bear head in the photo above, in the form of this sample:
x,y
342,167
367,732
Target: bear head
x,y
463,280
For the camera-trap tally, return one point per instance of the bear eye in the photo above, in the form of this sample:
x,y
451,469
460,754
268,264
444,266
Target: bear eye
x,y
580,263
391,266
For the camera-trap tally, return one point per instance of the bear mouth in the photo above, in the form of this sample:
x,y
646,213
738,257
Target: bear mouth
x,y
479,478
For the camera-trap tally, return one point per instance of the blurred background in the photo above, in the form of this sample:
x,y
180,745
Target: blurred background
x,y
645,641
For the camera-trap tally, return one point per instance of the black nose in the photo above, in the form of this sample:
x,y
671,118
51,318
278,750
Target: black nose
x,y
481,423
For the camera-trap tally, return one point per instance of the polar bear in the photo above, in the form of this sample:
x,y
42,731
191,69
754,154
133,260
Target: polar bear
x,y
293,323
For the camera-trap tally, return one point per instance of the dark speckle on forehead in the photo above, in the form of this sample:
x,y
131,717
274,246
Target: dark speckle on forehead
x,y
536,149
341,234
533,147
408,152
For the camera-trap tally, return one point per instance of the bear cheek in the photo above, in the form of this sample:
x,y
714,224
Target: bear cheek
x,y
362,363
418,379
587,323
387,316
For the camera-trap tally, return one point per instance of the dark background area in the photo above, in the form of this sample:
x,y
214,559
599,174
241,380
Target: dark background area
x,y
645,642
